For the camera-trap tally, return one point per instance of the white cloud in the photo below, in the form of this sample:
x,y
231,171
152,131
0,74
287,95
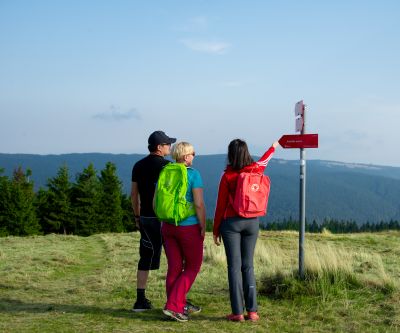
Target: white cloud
x,y
206,46
115,115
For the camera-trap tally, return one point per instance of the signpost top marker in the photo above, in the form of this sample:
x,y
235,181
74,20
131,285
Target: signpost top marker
x,y
299,112
299,109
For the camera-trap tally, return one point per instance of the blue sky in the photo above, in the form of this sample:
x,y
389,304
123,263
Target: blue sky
x,y
100,76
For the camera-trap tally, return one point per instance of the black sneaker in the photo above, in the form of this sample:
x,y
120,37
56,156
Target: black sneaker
x,y
176,315
142,305
191,308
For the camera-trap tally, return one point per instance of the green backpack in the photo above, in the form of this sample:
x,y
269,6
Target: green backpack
x,y
170,196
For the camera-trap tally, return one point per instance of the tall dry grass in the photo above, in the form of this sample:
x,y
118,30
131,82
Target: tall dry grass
x,y
330,268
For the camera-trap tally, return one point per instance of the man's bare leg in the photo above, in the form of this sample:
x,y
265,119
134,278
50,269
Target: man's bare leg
x,y
142,303
142,277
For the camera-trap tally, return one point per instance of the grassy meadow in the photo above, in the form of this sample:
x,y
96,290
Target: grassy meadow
x,y
59,283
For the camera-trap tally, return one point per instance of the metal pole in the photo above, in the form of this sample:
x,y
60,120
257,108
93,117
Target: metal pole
x,y
302,207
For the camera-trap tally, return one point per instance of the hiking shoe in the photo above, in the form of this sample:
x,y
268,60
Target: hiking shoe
x,y
233,317
191,308
252,316
142,305
181,317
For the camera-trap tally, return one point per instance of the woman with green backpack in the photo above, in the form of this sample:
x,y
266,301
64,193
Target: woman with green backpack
x,y
179,204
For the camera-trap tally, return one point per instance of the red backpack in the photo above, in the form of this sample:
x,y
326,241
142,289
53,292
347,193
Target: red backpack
x,y
251,196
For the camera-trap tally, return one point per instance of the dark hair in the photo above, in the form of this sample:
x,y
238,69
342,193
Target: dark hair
x,y
238,154
152,148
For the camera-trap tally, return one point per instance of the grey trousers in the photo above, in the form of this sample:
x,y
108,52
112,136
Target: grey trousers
x,y
240,237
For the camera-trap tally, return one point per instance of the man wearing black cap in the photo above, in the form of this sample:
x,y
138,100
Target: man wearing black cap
x,y
144,177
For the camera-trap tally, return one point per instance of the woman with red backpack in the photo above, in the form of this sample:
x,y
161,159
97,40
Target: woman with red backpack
x,y
238,226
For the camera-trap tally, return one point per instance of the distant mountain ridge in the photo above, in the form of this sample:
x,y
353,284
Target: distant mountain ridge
x,y
348,191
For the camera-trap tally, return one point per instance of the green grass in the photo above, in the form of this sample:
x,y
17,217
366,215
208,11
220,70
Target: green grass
x,y
61,283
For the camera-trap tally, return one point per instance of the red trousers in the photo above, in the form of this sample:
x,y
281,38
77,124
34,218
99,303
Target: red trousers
x,y
184,249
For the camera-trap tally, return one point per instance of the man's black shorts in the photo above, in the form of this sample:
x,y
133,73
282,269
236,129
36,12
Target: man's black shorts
x,y
150,243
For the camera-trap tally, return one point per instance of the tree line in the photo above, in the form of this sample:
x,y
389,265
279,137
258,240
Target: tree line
x,y
95,203
334,226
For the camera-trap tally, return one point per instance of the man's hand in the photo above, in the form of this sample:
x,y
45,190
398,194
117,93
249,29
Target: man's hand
x,y
217,240
137,223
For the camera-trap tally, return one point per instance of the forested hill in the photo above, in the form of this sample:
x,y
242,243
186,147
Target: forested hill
x,y
334,190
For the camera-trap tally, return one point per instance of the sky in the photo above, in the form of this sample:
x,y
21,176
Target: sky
x,y
100,76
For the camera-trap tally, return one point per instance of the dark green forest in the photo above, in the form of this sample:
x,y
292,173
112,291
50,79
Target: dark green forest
x,y
94,202
335,191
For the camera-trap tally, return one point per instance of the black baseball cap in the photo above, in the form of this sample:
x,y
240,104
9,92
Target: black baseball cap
x,y
159,137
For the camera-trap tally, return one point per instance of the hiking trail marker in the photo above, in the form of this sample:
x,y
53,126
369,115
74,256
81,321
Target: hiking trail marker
x,y
301,141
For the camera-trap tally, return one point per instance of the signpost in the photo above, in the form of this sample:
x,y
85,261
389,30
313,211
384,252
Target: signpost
x,y
301,141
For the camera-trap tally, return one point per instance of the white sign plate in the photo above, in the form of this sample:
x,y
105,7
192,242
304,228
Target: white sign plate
x,y
299,108
299,124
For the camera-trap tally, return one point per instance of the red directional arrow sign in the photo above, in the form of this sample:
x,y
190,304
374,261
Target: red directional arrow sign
x,y
299,141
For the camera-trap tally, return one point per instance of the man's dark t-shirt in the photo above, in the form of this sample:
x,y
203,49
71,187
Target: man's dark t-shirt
x,y
145,172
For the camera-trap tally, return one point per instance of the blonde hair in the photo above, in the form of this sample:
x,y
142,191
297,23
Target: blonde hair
x,y
180,149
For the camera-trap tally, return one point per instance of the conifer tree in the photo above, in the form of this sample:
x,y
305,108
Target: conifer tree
x,y
85,201
19,217
110,216
56,204
4,201
315,227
